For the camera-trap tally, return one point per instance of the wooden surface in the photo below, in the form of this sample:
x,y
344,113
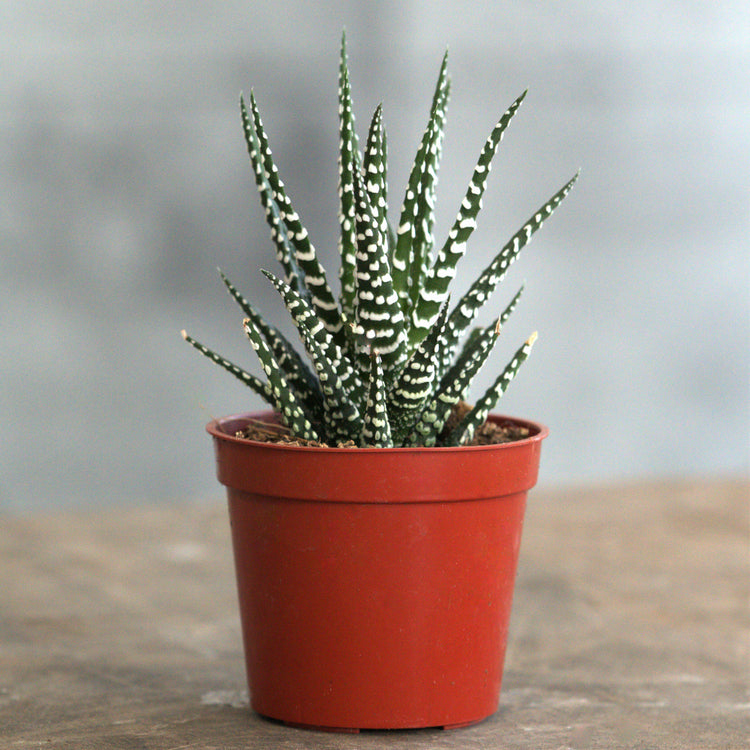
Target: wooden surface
x,y
119,629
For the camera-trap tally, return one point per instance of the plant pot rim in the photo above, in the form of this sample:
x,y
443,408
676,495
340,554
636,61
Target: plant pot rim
x,y
224,428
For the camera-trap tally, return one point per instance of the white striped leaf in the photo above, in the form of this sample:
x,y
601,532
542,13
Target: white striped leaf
x,y
451,338
313,273
378,318
251,381
285,253
349,166
294,368
376,428
414,240
416,383
467,308
339,382
450,391
286,403
374,171
435,288
464,432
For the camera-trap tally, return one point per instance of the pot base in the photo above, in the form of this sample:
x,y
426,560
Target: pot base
x,y
357,730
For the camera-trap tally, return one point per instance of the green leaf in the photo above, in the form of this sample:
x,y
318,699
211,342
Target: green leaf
x,y
451,388
480,291
254,383
295,370
432,294
452,335
313,273
378,318
376,429
463,433
285,253
374,166
414,240
416,382
285,401
349,166
339,382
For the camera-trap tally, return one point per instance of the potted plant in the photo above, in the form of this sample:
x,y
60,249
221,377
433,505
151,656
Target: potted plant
x,y
376,517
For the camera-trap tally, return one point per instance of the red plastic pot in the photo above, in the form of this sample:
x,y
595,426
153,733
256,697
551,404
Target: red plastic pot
x,y
375,585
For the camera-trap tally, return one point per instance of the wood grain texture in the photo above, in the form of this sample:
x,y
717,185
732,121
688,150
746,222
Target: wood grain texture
x,y
630,629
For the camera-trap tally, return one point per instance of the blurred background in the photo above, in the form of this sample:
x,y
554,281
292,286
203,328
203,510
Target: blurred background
x,y
125,183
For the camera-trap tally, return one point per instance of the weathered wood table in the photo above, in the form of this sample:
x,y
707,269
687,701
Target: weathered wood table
x,y
119,629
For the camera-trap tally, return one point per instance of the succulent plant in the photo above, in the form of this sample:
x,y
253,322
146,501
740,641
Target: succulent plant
x,y
388,366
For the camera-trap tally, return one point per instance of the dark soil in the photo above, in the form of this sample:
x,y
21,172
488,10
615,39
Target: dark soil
x,y
491,433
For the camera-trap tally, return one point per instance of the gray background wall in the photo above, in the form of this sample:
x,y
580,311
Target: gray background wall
x,y
125,183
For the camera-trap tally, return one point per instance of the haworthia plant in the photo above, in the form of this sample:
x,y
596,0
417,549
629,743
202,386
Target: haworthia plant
x,y
385,365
